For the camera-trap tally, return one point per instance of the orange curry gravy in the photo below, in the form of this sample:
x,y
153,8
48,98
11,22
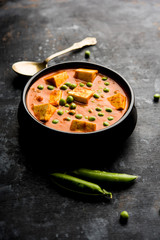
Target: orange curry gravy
x,y
35,96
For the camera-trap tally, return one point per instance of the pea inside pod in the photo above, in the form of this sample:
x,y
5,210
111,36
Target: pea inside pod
x,y
78,185
104,176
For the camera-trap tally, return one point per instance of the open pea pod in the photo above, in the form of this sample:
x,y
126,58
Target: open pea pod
x,y
103,176
78,185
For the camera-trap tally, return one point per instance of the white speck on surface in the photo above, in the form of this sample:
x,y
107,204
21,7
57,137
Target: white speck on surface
x,y
5,163
96,229
157,85
141,101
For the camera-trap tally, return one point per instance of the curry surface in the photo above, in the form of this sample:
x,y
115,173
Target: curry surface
x,y
86,110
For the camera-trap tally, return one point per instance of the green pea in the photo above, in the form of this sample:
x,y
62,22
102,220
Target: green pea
x,y
63,87
70,99
68,84
72,112
55,121
66,105
90,110
73,106
89,84
106,83
81,84
124,215
98,109
92,118
105,89
72,86
100,114
156,97
78,116
62,101
110,118
104,78
78,185
108,109
96,95
105,124
67,119
87,54
40,87
50,87
60,112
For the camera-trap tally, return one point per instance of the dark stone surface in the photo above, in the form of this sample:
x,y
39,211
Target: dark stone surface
x,y
128,35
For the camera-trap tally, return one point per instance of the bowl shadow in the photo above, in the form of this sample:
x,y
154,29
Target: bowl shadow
x,y
45,156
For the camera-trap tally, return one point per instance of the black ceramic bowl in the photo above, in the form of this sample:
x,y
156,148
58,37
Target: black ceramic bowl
x,y
111,135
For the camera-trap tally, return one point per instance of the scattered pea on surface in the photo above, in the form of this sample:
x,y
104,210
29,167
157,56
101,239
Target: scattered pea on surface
x,y
96,95
100,114
87,54
92,118
73,106
70,99
105,124
104,78
105,89
110,118
50,87
124,215
55,121
63,87
78,116
66,105
108,109
156,97
89,84
60,112
40,87
62,102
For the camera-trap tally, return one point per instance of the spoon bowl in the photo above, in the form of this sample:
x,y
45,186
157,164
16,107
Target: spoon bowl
x,y
28,68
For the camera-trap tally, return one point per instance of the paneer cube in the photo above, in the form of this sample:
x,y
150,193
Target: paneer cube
x,y
82,126
87,75
81,94
57,79
118,101
55,96
44,111
90,127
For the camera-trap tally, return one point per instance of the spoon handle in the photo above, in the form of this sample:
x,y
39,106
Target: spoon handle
x,y
85,42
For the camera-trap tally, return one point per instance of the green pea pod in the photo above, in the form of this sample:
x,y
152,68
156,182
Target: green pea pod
x,y
77,185
104,176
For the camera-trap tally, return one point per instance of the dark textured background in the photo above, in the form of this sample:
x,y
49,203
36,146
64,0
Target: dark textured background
x,y
128,35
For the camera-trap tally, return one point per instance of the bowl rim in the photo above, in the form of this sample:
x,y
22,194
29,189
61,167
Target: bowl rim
x,y
92,65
